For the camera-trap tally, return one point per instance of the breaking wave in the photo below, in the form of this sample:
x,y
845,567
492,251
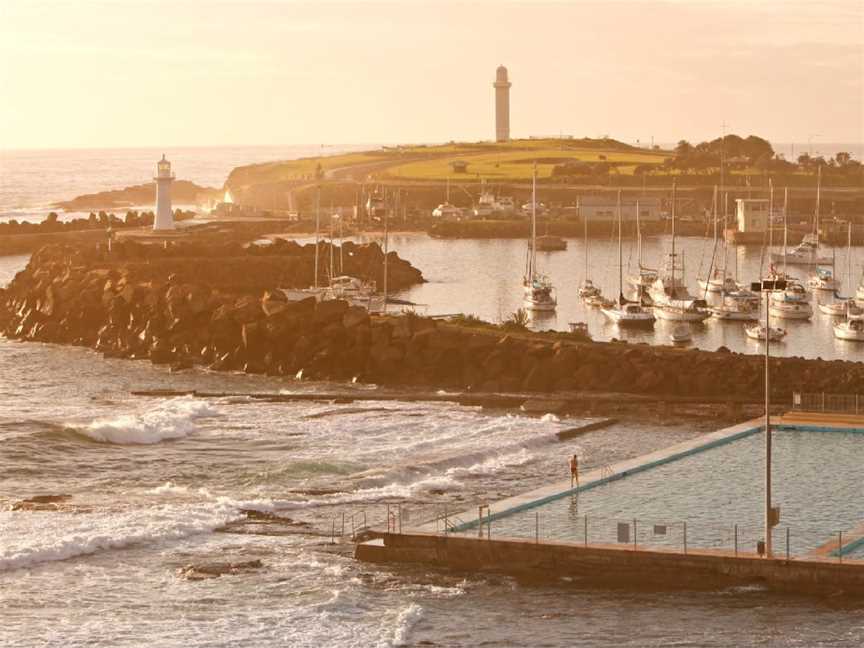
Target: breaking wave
x,y
171,419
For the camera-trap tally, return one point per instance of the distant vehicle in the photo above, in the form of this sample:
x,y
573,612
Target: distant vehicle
x,y
446,211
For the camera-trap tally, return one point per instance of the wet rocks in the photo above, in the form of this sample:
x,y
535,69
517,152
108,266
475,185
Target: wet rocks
x,y
41,503
204,571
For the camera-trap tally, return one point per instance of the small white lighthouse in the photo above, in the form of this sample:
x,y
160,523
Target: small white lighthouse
x,y
164,218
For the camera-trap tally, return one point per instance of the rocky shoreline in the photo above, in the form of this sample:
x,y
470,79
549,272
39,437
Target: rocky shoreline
x,y
219,306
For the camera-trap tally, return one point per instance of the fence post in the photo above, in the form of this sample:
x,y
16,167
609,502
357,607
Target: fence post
x,y
685,538
736,540
787,544
399,511
388,517
343,524
634,534
536,527
488,523
840,547
586,529
333,531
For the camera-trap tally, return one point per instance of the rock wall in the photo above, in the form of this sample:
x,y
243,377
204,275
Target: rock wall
x,y
218,306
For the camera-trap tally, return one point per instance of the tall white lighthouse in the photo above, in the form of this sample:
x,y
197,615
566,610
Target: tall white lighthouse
x,y
502,105
164,218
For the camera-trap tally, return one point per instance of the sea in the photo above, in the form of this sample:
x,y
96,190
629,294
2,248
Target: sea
x,y
157,483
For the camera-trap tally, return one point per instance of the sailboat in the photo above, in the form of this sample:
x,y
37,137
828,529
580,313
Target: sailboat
x,y
538,293
624,312
445,210
717,281
672,301
843,305
759,332
588,291
642,281
807,252
791,303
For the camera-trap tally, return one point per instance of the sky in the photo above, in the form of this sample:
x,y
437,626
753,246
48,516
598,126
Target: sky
x,y
87,73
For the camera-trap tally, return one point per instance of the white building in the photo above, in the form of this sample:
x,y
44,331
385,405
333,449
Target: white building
x,y
164,217
604,208
752,214
502,105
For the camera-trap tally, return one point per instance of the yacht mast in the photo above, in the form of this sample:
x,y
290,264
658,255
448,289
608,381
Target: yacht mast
x,y
620,257
785,225
673,237
532,262
317,226
770,216
818,205
638,238
386,250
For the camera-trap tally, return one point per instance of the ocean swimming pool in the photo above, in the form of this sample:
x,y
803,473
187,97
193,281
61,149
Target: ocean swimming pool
x,y
712,497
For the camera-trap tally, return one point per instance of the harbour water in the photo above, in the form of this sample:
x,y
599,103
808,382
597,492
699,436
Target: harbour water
x,y
152,481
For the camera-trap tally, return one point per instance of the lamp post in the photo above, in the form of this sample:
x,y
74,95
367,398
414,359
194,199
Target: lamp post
x,y
766,286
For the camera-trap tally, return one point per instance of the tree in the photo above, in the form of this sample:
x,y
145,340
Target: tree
x,y
843,158
683,148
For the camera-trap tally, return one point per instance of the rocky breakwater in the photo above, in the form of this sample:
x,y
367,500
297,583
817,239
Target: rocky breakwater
x,y
191,303
220,306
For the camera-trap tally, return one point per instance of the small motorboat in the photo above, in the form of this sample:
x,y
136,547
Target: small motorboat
x,y
852,329
824,279
758,332
841,308
681,334
791,303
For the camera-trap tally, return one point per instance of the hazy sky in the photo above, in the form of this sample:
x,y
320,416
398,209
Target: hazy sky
x,y
84,73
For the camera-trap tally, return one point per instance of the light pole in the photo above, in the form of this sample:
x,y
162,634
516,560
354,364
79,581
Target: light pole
x,y
766,286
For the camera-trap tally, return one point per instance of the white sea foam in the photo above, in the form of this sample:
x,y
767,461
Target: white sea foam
x,y
31,538
171,419
405,621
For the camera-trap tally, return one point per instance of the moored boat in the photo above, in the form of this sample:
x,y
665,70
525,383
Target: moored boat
x,y
852,329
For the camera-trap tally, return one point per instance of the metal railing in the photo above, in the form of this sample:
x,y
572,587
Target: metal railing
x,y
822,402
789,542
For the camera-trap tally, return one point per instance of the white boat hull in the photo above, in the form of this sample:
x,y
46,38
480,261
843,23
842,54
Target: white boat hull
x,y
791,312
800,259
758,333
539,306
843,332
622,318
734,315
672,314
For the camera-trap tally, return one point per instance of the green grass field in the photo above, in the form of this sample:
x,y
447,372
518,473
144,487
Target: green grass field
x,y
508,161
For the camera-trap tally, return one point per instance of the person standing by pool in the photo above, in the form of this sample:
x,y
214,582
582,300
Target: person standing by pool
x,y
574,470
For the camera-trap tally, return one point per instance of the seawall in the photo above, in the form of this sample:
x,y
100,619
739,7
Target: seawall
x,y
614,565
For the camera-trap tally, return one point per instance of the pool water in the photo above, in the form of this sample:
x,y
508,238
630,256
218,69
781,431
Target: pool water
x,y
702,498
